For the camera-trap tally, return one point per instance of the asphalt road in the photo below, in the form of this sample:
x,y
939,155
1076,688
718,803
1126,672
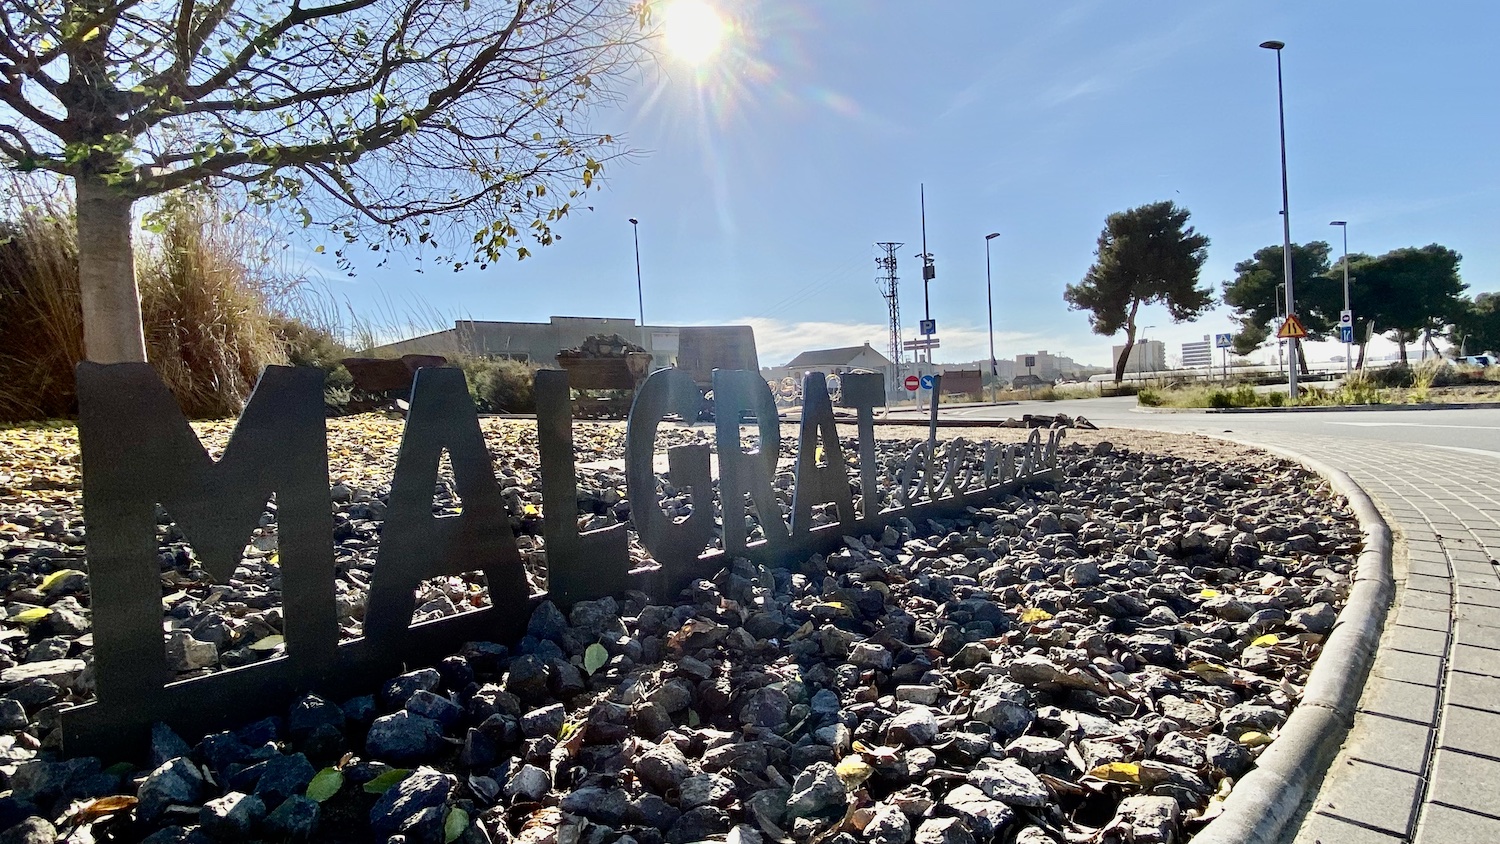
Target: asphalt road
x,y
1458,430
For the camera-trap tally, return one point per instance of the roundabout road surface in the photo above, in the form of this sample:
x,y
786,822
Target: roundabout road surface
x,y
1422,762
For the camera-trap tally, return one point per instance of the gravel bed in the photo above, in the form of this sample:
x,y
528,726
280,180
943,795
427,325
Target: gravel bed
x,y
1095,663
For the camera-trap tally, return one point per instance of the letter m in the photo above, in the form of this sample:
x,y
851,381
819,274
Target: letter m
x,y
138,452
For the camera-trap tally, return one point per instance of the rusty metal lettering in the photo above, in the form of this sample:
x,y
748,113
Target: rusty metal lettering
x,y
139,451
819,481
585,566
865,391
677,546
415,544
279,446
741,473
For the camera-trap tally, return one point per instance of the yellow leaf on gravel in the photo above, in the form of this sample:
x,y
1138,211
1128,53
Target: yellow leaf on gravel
x,y
1126,772
1032,615
57,577
1265,641
1254,738
31,616
854,771
1208,593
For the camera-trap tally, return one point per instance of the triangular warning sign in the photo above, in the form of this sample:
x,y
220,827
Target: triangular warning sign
x,y
1291,329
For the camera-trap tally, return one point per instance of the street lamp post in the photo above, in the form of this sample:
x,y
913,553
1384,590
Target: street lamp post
x,y
1286,219
1280,314
929,272
640,296
1348,350
989,301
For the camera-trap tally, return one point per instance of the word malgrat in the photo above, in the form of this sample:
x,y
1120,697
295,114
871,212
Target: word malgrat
x,y
139,452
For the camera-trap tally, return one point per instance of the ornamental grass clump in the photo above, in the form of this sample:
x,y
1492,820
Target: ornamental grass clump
x,y
209,328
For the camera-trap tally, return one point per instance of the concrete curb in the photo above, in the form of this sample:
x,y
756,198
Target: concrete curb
x,y
1352,408
1262,804
1325,408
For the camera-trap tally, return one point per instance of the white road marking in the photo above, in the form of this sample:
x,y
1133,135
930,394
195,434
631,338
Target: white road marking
x,y
1483,452
1415,425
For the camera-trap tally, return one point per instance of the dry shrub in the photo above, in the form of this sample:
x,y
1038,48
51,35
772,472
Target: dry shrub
x,y
208,328
41,319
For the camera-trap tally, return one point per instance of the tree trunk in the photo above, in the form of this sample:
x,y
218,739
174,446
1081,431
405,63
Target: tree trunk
x,y
1135,306
1301,357
1432,344
1401,341
1361,365
112,331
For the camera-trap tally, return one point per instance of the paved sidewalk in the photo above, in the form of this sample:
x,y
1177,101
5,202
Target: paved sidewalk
x,y
1422,763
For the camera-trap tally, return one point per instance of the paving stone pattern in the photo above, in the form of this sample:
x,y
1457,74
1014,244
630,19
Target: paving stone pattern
x,y
1422,763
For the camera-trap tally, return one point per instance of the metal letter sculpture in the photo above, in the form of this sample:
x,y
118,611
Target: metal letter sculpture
x,y
139,451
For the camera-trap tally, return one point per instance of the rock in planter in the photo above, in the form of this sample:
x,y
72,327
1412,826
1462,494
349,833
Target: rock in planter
x,y
1146,819
404,737
663,767
888,826
817,789
296,819
174,783
231,817
916,727
943,831
1009,783
424,788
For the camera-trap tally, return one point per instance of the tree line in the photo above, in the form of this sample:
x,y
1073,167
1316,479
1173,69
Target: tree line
x,y
1151,255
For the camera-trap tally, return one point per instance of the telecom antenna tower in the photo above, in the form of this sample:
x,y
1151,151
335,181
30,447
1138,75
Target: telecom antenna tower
x,y
886,281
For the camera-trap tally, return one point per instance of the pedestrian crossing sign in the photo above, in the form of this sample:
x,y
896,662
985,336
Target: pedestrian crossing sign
x,y
1292,329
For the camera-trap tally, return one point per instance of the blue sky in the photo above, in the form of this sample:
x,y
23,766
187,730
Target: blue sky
x,y
766,174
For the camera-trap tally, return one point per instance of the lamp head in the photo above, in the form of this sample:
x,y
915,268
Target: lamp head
x,y
991,235
1272,45
634,221
1338,223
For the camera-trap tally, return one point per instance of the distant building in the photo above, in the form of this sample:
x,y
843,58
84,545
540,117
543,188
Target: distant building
x,y
1047,366
1198,354
840,360
1005,369
539,342
834,362
1145,356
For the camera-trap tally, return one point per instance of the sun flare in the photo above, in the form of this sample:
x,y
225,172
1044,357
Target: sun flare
x,y
694,30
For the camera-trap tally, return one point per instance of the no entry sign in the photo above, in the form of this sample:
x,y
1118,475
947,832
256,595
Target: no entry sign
x,y
911,383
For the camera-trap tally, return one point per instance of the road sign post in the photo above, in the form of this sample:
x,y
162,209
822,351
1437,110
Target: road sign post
x,y
1346,321
1223,342
932,382
1292,330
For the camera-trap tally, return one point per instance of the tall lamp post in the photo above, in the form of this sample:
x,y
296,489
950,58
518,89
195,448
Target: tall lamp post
x,y
1280,314
640,296
1286,220
1348,347
989,301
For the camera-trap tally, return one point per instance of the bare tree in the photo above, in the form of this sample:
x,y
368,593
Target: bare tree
x,y
393,120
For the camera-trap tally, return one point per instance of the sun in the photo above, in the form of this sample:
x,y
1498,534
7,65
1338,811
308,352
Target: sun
x,y
694,31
